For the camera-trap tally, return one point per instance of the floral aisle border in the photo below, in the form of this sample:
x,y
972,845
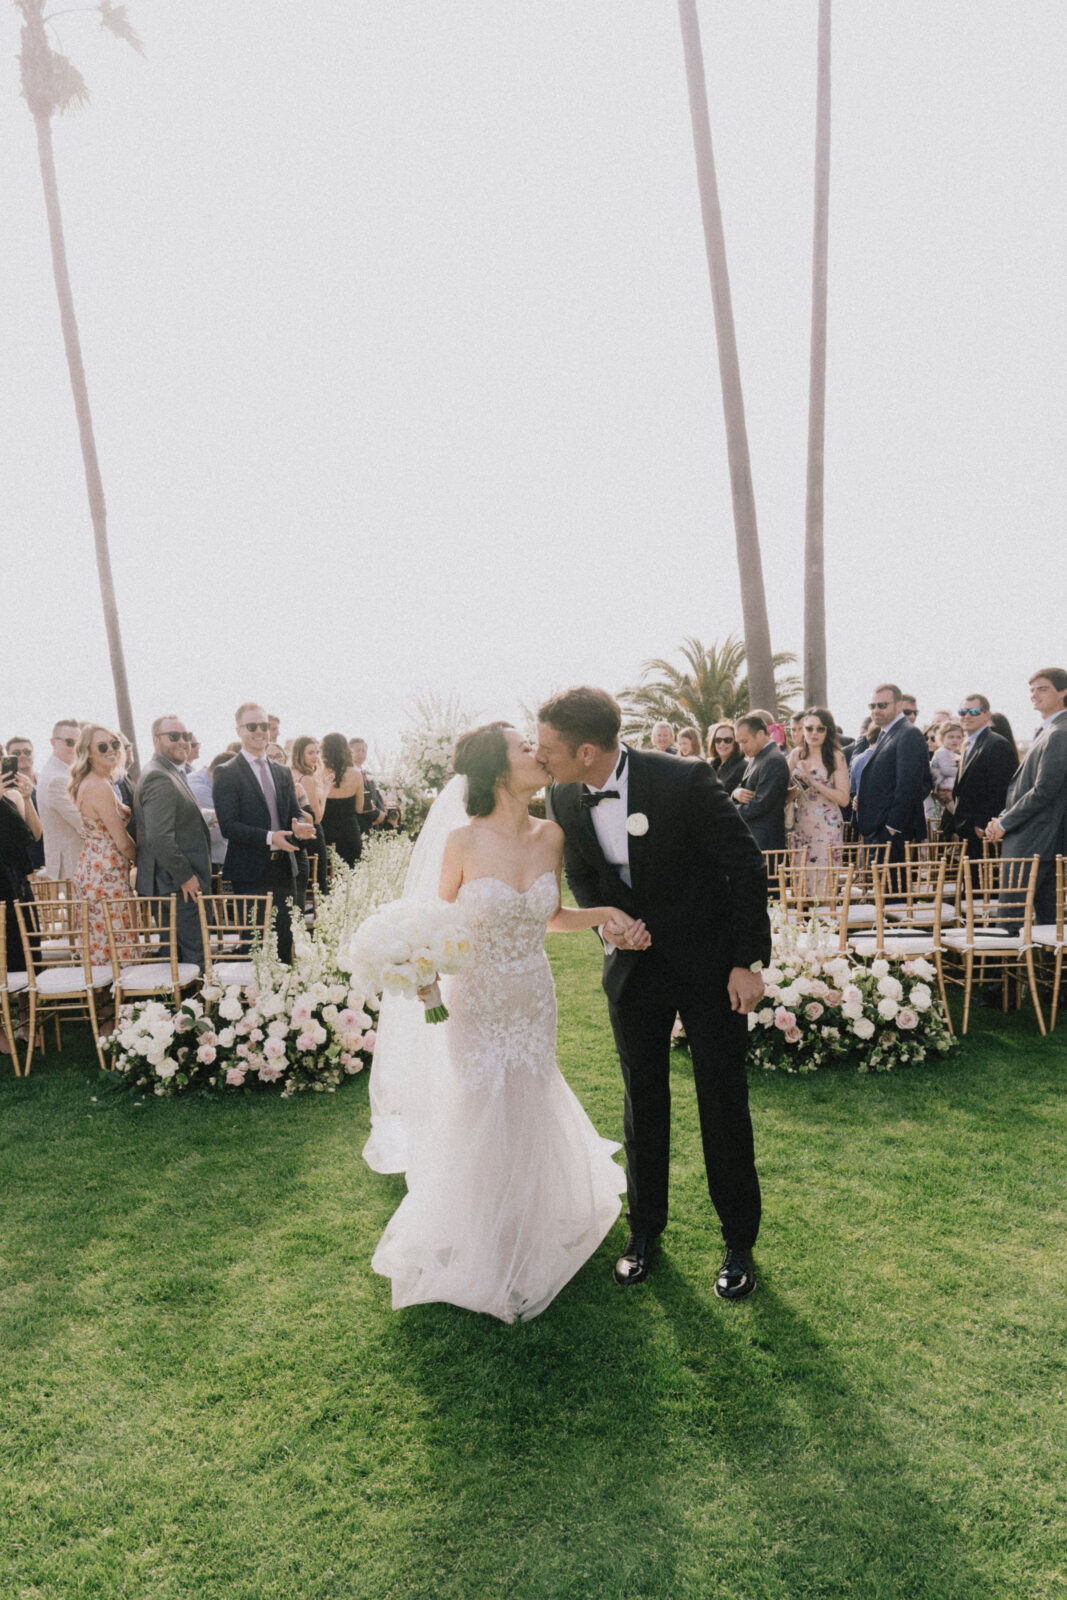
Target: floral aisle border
x,y
293,1028
822,1007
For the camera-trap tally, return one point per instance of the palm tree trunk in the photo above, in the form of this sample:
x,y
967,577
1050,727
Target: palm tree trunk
x,y
815,690
93,483
750,567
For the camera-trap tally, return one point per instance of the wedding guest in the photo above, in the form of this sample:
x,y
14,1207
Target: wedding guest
x,y
980,790
18,745
273,724
862,751
108,851
1034,819
374,811
726,756
275,752
306,762
796,730
344,799
760,796
690,744
944,765
62,824
1002,726
20,828
257,810
173,839
819,788
201,782
895,779
194,755
909,708
663,738
123,784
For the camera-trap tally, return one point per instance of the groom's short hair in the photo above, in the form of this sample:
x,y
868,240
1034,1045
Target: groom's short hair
x,y
583,716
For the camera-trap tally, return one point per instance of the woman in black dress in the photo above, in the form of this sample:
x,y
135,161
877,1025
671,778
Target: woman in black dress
x,y
724,753
344,798
19,828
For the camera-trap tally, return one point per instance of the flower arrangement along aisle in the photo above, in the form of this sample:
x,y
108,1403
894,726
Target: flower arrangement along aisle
x,y
821,1006
305,1026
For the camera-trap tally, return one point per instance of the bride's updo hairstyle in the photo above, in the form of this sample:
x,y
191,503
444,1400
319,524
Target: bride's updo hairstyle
x,y
583,716
481,756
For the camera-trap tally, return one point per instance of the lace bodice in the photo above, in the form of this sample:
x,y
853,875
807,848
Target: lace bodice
x,y
508,925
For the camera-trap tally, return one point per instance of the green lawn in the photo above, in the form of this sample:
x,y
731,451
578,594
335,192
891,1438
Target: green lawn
x,y
206,1394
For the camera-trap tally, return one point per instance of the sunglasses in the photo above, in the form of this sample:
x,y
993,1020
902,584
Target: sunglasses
x,y
911,715
970,711
176,738
21,750
257,727
724,738
878,705
104,745
70,743
818,728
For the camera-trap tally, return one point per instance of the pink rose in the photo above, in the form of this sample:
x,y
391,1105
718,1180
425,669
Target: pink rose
x,y
206,1054
235,1076
834,997
269,1072
256,1035
813,1011
907,1018
274,1049
305,1041
792,1036
784,1019
347,1020
370,1039
242,1050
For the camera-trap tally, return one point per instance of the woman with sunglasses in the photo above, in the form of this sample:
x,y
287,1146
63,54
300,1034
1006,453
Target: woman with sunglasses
x,y
819,789
108,852
725,755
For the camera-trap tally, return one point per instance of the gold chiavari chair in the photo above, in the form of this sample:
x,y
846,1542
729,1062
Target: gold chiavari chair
x,y
229,924
821,892
145,956
12,983
311,900
58,984
996,939
777,862
1048,937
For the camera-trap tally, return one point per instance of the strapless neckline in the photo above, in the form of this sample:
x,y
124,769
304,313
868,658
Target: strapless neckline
x,y
489,877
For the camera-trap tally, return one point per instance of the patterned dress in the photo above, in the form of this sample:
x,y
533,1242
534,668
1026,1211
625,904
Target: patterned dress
x,y
103,874
819,825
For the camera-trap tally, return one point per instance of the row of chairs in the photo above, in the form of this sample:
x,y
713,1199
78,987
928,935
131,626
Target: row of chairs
x,y
57,978
972,917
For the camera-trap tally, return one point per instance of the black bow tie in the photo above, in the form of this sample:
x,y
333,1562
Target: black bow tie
x,y
595,799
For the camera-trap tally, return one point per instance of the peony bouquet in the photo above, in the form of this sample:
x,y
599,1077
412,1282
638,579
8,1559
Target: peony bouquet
x,y
405,946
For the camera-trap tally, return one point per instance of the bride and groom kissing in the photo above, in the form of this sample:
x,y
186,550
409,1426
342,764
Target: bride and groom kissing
x,y
510,1189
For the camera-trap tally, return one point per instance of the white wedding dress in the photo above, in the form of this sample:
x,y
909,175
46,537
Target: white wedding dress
x,y
510,1188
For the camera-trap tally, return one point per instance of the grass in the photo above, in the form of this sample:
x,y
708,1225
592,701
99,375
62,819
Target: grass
x,y
204,1391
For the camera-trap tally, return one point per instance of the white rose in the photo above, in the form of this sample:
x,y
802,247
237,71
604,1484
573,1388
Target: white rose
x,y
907,1018
166,1069
637,824
888,1008
920,998
231,1009
863,1028
880,968
852,1009
227,1038
891,988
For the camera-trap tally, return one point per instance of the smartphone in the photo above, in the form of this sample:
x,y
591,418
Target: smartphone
x,y
8,767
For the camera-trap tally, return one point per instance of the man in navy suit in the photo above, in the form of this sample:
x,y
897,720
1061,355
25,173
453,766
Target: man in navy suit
x,y
260,818
895,779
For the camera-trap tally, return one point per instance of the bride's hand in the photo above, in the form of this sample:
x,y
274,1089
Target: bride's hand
x,y
626,932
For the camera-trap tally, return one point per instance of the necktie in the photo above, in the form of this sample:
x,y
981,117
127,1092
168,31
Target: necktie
x,y
266,783
595,799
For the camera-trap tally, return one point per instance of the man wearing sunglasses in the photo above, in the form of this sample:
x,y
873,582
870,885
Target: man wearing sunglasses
x,y
261,820
1033,821
982,778
895,779
60,818
173,841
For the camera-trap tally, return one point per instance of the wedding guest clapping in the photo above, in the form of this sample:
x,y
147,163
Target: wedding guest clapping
x,y
690,744
819,789
344,799
725,755
108,851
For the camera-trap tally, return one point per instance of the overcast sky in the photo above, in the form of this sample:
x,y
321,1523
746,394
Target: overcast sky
x,y
401,355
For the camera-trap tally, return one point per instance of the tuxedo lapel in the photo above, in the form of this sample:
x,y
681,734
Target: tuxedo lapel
x,y
638,800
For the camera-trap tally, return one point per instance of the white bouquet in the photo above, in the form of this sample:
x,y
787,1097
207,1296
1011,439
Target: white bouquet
x,y
405,946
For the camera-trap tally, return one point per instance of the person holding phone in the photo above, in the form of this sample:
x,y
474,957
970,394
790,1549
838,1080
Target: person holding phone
x,y
20,826
818,787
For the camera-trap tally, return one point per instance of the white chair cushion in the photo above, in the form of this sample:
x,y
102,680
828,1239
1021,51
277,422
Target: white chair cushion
x,y
1046,934
896,949
956,939
227,972
921,916
71,980
156,977
16,981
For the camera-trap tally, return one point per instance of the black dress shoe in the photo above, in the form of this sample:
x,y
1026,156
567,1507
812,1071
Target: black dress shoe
x,y
635,1263
737,1275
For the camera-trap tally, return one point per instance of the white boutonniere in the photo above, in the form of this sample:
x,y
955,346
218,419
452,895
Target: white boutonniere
x,y
637,824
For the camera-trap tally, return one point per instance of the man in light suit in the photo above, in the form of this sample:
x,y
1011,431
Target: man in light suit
x,y
760,796
173,842
261,820
60,818
894,780
1034,820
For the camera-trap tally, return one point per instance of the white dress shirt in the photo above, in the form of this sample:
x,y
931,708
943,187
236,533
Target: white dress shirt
x,y
609,820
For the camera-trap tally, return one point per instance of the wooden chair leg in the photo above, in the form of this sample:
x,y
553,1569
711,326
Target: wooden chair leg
x,y
1057,979
31,1033
968,978
10,1030
1035,997
939,965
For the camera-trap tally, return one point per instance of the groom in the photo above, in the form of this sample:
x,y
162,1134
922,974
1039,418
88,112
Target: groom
x,y
660,837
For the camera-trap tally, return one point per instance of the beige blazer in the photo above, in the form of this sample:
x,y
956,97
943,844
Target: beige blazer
x,y
60,820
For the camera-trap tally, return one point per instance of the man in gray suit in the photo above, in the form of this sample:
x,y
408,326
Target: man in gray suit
x,y
760,796
1034,820
173,841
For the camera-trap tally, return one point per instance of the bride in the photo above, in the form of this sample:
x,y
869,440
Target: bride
x,y
510,1188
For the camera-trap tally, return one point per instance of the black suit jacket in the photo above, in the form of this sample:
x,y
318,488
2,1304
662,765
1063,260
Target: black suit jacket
x,y
894,783
981,786
698,879
244,820
768,775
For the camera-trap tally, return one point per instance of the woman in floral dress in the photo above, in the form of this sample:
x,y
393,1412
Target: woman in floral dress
x,y
819,775
108,852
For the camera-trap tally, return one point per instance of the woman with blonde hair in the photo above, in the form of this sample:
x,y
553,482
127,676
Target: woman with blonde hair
x,y
108,852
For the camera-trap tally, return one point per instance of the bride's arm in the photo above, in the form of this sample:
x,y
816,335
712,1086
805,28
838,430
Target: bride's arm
x,y
451,868
572,919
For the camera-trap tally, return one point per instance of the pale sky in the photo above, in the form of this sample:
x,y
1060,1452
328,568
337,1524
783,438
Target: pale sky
x,y
401,355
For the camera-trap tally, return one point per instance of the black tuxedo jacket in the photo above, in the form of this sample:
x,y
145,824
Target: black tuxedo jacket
x,y
767,774
981,786
698,878
894,783
243,818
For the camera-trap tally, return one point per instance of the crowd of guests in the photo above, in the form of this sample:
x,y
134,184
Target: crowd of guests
x,y
259,813
799,784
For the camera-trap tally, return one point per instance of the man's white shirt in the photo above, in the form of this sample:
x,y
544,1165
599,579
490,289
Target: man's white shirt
x,y
609,820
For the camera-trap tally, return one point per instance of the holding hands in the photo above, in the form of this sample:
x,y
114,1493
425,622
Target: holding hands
x,y
625,932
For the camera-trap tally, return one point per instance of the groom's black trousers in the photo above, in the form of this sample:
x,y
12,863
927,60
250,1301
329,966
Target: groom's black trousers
x,y
642,1019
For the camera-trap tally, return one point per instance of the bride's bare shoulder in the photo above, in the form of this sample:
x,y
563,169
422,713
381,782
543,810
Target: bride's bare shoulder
x,y
549,833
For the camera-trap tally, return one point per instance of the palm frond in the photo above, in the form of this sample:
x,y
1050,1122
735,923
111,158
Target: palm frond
x,y
115,20
69,91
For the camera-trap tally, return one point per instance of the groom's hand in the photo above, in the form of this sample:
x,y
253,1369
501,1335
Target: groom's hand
x,y
745,989
633,937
